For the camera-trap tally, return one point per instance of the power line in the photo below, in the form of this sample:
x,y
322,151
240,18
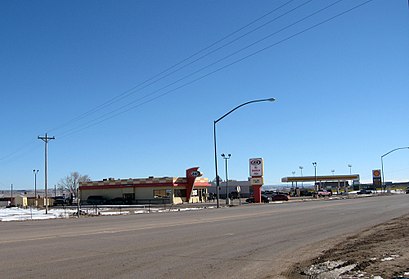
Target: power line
x,y
212,64
157,77
152,80
118,112
22,149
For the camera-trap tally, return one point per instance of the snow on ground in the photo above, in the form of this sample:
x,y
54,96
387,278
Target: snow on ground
x,y
22,214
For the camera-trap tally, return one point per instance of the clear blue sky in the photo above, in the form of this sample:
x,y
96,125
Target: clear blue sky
x,y
342,88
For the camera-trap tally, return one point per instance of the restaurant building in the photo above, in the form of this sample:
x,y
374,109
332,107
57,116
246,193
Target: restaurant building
x,y
174,190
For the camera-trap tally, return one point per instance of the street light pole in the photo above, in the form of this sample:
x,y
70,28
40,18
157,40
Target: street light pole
x,y
215,165
11,194
226,158
215,143
350,168
393,150
315,171
302,182
35,186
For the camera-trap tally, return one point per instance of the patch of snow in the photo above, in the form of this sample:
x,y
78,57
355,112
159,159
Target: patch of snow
x,y
329,269
22,214
390,258
111,213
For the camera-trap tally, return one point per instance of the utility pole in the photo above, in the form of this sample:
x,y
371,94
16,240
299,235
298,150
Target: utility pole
x,y
46,139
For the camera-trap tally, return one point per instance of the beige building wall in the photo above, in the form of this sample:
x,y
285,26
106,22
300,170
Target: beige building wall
x,y
20,201
143,193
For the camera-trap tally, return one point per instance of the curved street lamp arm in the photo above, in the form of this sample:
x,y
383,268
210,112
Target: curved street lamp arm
x,y
383,174
246,103
406,147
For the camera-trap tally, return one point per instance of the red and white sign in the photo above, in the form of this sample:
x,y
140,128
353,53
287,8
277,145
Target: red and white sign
x,y
376,173
256,167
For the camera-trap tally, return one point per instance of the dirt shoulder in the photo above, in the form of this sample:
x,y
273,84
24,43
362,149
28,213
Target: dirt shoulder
x,y
382,250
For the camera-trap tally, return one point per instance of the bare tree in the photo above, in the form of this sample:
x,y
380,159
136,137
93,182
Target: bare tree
x,y
71,182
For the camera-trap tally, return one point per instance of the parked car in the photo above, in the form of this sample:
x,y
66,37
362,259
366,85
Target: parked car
x,y
234,195
96,200
323,193
364,192
407,191
280,197
117,201
60,200
264,199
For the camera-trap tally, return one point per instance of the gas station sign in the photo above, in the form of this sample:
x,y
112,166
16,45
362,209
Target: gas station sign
x,y
256,167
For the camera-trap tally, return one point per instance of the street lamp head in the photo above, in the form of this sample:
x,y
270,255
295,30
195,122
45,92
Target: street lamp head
x,y
271,99
301,167
314,164
223,155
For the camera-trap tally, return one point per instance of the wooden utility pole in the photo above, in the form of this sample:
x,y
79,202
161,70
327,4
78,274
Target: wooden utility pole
x,y
46,139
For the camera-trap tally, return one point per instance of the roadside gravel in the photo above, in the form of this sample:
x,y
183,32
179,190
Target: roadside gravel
x,y
378,252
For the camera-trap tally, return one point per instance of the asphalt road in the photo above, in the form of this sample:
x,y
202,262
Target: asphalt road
x,y
251,241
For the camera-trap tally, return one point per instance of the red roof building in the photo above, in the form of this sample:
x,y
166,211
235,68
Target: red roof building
x,y
174,190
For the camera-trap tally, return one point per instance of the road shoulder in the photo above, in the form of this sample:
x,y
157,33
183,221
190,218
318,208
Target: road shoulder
x,y
381,250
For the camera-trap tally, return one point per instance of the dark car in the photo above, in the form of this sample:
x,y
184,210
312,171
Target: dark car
x,y
60,200
96,200
364,192
117,201
407,191
264,199
279,197
234,195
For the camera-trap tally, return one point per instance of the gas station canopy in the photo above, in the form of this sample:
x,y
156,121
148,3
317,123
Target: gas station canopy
x,y
320,178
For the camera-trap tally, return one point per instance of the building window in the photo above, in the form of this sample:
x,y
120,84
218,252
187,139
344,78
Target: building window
x,y
181,193
160,194
129,197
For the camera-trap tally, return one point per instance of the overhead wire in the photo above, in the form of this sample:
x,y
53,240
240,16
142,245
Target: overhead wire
x,y
218,61
23,149
157,77
117,112
110,115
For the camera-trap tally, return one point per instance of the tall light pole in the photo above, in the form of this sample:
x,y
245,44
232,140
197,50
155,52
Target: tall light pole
x,y
35,186
393,150
11,194
226,158
350,168
315,171
302,182
333,171
215,144
46,139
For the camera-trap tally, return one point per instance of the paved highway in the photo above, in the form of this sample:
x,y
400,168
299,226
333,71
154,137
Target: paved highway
x,y
251,241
